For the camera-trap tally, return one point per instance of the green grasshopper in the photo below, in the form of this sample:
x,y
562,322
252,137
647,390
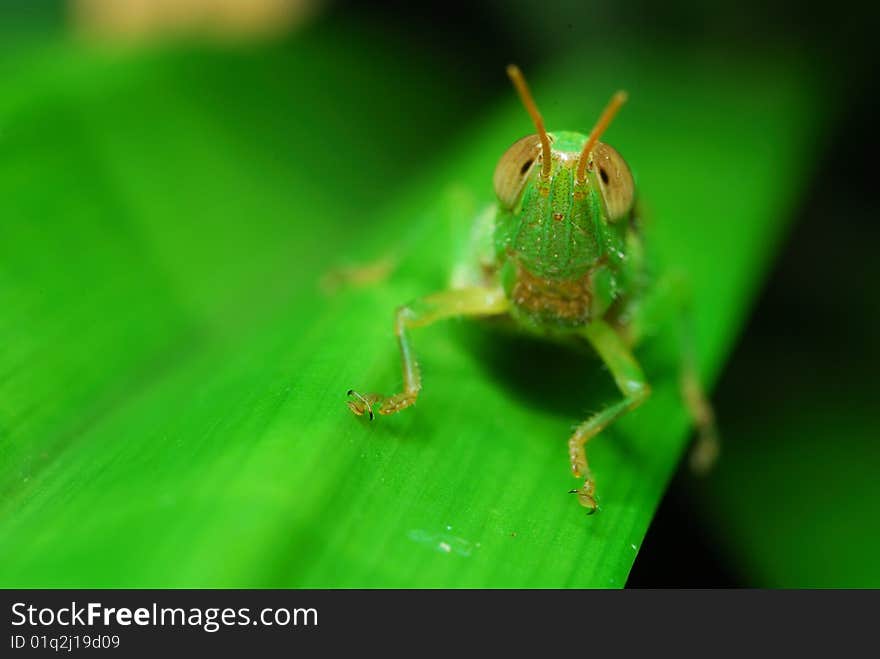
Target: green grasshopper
x,y
560,256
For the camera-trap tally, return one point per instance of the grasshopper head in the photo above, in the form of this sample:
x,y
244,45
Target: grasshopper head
x,y
606,173
563,194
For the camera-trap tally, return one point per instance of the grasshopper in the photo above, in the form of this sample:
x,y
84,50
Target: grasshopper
x,y
560,256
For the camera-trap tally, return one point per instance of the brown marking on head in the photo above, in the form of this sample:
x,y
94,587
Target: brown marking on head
x,y
567,300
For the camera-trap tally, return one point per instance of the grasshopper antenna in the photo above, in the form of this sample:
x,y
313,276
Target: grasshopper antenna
x,y
604,121
519,81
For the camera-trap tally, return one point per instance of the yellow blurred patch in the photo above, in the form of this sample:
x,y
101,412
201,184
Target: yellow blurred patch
x,y
223,20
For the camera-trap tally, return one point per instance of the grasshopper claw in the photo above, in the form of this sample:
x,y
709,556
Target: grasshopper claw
x,y
360,405
586,499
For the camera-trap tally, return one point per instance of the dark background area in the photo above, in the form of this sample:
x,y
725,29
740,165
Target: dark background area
x,y
812,330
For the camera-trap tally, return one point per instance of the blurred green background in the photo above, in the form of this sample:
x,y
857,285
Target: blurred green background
x,y
174,189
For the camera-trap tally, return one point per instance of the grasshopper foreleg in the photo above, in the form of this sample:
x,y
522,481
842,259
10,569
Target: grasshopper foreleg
x,y
629,379
476,301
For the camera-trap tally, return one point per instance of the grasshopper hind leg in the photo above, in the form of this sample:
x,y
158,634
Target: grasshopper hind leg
x,y
474,261
671,297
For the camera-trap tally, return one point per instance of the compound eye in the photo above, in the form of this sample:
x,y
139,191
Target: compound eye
x,y
615,180
513,169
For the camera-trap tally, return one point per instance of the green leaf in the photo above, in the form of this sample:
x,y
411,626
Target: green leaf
x,y
172,378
